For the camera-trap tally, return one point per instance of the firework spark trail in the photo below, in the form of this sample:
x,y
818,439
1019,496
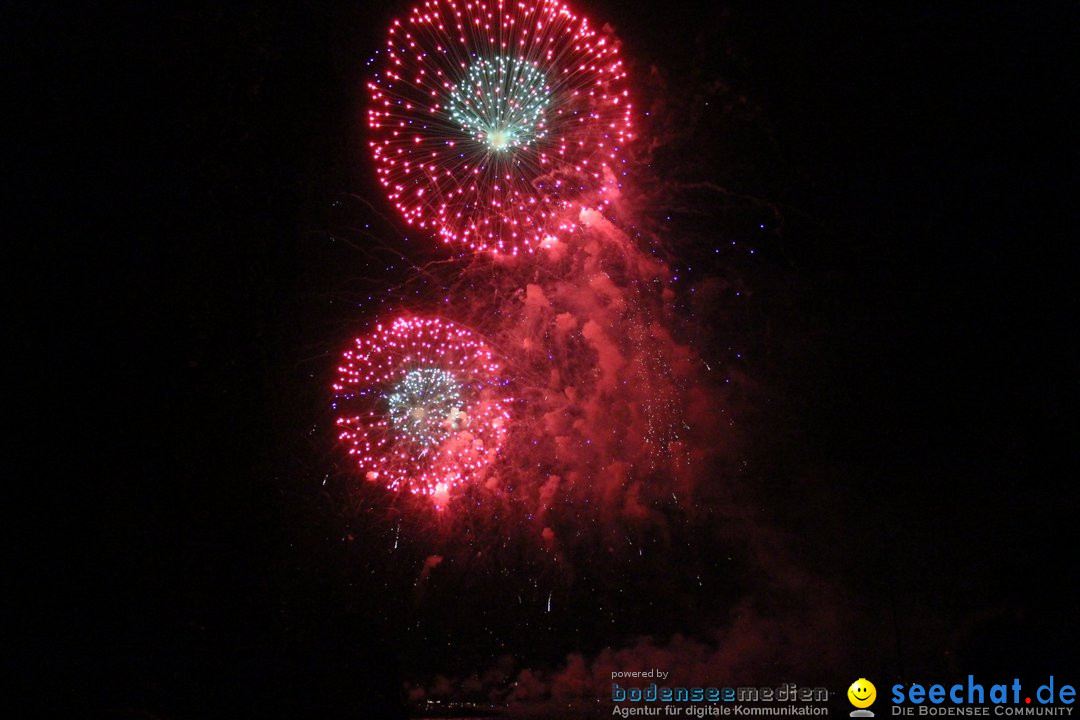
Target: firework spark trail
x,y
492,122
422,406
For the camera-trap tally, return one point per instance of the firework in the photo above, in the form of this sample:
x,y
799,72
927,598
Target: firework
x,y
491,120
421,405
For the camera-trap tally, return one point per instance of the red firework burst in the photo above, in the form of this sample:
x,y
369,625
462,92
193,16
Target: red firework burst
x,y
422,405
490,120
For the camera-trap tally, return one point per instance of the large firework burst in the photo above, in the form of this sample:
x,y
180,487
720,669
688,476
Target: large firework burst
x,y
422,405
490,121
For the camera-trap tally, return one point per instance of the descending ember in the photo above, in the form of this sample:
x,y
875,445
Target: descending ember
x,y
491,121
422,405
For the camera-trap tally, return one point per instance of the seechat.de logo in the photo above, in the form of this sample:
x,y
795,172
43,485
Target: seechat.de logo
x,y
975,699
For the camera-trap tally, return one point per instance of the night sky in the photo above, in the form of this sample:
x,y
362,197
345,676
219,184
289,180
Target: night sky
x,y
870,210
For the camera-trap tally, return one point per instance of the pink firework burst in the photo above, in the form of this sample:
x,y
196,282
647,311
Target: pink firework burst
x,y
492,120
421,405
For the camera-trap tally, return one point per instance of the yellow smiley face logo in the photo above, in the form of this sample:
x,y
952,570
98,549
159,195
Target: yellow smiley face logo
x,y
862,693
